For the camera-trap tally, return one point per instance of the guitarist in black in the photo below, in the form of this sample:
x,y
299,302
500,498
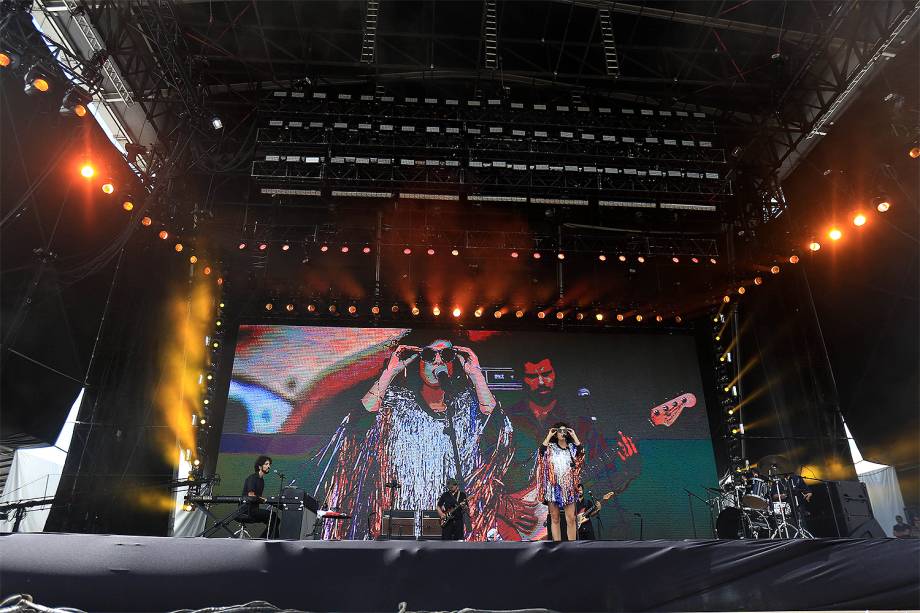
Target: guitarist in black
x,y
450,509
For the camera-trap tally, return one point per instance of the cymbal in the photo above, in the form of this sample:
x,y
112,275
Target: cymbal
x,y
783,464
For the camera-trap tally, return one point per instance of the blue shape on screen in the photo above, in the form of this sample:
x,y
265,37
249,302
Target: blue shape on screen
x,y
265,410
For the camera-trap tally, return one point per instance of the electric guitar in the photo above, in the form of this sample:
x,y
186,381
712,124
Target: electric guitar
x,y
449,515
666,414
587,515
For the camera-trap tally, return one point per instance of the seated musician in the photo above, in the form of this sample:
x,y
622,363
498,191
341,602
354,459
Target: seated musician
x,y
450,509
252,489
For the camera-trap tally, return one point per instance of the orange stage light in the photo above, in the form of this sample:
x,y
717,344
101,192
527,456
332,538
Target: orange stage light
x,y
146,221
793,259
436,311
620,317
5,60
602,257
108,187
163,234
814,246
497,314
87,171
456,312
914,152
127,205
178,247
638,318
835,234
859,220
774,269
289,307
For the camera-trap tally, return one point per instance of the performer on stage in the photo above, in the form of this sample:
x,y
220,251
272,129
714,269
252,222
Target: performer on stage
x,y
252,489
561,458
585,503
428,422
451,507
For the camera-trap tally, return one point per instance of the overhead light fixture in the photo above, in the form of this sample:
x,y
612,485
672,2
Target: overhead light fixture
x,y
602,257
835,234
456,312
859,219
10,60
454,252
76,102
216,123
108,187
87,171
793,259
36,81
883,205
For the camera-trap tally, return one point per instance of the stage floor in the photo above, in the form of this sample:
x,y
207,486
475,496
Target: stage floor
x,y
132,573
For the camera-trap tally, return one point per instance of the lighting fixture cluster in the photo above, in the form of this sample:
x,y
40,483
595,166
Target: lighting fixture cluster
x,y
207,381
727,380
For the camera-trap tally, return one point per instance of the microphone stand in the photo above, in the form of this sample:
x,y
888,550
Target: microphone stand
x,y
690,497
271,508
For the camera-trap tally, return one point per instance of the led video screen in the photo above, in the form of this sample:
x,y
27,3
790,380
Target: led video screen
x,y
347,412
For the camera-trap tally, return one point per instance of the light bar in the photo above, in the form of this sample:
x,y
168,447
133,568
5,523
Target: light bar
x,y
487,198
687,207
359,194
629,204
563,201
277,191
410,196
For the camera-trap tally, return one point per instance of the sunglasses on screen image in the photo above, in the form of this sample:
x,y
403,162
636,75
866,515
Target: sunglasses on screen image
x,y
448,354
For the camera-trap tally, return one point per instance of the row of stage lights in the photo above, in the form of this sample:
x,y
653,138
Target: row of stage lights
x,y
206,381
479,312
38,81
514,254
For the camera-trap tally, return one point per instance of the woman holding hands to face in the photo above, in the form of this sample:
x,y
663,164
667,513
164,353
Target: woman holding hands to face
x,y
560,461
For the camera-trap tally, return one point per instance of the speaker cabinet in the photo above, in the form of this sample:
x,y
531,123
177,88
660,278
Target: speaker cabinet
x,y
842,508
431,525
398,525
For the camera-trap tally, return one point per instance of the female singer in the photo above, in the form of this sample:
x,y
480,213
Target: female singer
x,y
560,460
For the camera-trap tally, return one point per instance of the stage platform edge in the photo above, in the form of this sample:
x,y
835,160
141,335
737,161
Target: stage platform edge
x,y
137,573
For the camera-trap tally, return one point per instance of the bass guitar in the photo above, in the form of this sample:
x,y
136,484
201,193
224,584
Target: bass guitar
x,y
588,514
449,515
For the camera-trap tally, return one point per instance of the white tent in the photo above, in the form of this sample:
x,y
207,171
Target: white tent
x,y
35,473
882,485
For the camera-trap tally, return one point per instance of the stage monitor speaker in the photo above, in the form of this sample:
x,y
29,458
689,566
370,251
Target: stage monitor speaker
x,y
398,525
297,515
841,508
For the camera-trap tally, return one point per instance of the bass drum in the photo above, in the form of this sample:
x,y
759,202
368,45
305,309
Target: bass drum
x,y
729,524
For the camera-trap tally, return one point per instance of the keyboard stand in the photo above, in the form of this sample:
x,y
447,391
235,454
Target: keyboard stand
x,y
220,523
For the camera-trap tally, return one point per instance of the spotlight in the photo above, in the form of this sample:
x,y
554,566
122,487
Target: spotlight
x,y
415,311
210,377
324,248
541,314
289,307
285,247
436,311
602,257
263,246
742,290
560,315
640,259
216,123
163,234
713,261
678,318
883,205
638,317
269,306
560,255
366,249
793,259
75,103
407,251
599,316
519,313
774,270
456,312
344,249
146,221
622,258
333,308
579,316
375,310
311,308
215,344
814,246
835,234
454,252
675,259
394,308
352,309
514,254
758,280
8,59
477,312
726,299
127,205
430,251
192,259
859,220
178,247
108,187
497,314
536,255
695,260
37,82
914,152
659,318
87,171
620,317
207,270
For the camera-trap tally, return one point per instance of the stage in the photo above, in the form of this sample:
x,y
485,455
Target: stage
x,y
131,573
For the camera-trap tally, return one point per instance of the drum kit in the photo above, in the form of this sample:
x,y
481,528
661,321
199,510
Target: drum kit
x,y
755,506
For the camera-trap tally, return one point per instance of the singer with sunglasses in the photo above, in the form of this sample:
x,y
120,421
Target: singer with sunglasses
x,y
559,472
431,407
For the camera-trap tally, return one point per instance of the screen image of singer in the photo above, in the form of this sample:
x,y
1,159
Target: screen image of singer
x,y
346,410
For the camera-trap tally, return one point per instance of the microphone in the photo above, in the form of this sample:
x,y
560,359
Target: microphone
x,y
441,373
584,392
280,476
293,481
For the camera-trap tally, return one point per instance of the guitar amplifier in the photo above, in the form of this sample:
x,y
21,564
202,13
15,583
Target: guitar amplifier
x,y
431,525
840,508
398,525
